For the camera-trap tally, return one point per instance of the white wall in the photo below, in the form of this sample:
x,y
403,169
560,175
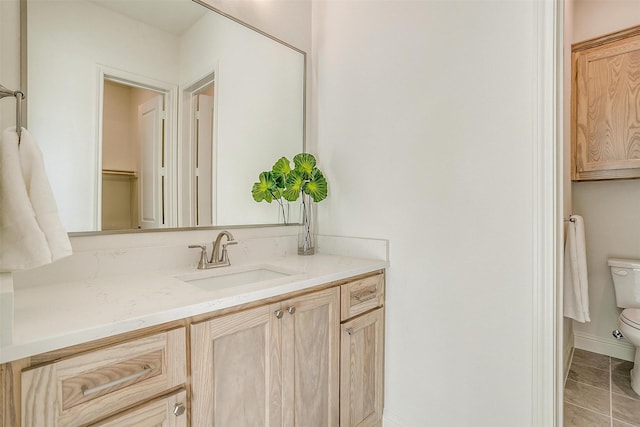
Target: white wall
x,y
425,134
611,209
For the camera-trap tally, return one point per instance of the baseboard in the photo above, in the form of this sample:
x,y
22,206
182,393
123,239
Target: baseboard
x,y
620,349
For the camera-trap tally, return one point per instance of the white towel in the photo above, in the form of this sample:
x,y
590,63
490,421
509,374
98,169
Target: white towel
x,y
576,285
31,233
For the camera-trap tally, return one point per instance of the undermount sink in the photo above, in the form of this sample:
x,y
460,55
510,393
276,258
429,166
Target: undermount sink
x,y
219,279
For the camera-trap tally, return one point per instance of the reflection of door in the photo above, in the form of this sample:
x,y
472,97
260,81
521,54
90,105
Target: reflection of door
x,y
204,158
151,169
197,154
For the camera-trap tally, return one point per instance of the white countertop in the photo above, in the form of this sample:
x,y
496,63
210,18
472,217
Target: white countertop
x,y
62,314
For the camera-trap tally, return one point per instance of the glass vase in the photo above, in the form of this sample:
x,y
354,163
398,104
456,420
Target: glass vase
x,y
283,212
307,230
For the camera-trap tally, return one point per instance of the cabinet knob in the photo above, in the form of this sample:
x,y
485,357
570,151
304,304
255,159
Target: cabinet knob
x,y
291,310
178,409
349,331
279,313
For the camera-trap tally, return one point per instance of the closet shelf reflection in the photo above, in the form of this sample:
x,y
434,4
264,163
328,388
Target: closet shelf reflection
x,y
132,174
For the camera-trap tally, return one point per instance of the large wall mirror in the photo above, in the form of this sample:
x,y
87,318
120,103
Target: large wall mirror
x,y
159,113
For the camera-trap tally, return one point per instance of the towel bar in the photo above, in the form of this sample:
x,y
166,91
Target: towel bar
x,y
19,95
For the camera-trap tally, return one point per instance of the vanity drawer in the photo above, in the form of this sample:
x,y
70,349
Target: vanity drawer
x,y
90,386
168,411
361,295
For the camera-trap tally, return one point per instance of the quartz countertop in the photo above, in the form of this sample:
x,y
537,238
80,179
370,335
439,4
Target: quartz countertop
x,y
63,314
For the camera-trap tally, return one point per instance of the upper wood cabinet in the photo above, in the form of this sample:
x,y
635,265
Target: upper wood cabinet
x,y
605,118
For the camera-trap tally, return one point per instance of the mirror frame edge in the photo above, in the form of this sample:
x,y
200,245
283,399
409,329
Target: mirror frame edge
x,y
25,118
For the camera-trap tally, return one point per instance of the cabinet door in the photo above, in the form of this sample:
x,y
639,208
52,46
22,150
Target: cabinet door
x,y
606,129
361,372
236,370
310,359
166,412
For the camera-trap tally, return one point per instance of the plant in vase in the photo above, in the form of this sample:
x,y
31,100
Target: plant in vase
x,y
285,183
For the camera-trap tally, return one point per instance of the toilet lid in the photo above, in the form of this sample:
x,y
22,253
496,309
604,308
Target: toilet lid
x,y
631,316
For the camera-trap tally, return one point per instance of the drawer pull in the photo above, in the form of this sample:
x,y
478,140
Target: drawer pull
x,y
89,391
365,296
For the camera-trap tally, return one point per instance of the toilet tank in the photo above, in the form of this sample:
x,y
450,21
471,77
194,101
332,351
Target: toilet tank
x,y
626,281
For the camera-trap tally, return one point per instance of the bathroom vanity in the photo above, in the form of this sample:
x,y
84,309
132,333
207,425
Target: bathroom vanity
x,y
127,331
301,345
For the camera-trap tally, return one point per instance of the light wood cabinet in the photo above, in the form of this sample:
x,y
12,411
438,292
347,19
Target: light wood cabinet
x,y
361,370
362,352
283,361
235,370
310,359
169,411
605,136
275,365
84,388
361,295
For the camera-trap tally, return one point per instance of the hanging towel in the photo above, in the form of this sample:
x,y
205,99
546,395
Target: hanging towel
x,y
576,285
31,233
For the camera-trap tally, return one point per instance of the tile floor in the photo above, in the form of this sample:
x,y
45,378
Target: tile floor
x,y
598,393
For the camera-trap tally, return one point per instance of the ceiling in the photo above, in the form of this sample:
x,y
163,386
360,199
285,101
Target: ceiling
x,y
173,16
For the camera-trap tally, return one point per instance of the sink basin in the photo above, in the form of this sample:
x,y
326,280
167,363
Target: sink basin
x,y
211,280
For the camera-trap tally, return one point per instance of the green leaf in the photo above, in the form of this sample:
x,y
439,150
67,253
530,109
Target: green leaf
x,y
293,186
304,163
280,171
316,187
264,188
284,182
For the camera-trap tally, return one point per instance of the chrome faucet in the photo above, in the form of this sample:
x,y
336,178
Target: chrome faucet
x,y
218,258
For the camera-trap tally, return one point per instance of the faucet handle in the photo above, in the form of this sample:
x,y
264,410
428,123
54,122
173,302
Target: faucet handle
x,y
202,263
229,242
224,258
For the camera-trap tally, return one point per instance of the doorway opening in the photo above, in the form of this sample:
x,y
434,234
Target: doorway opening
x,y
134,143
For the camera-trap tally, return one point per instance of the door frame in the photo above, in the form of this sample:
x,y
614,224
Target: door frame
x,y
547,319
170,92
186,184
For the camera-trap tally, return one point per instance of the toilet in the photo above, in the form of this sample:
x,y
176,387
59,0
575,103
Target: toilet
x,y
626,282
